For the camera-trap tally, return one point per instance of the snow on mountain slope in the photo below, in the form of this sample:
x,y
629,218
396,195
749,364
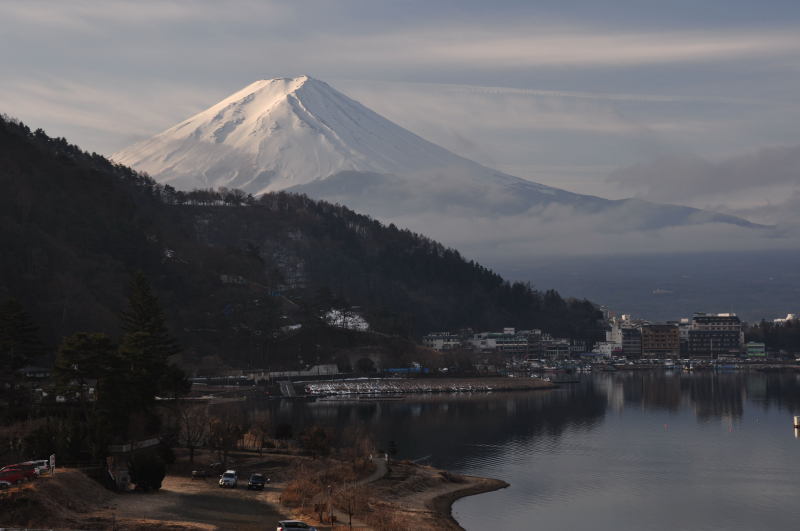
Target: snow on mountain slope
x,y
300,134
278,133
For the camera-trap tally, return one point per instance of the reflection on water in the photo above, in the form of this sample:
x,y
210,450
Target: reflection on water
x,y
627,450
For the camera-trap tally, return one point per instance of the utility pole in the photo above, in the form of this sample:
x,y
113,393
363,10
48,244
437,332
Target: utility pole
x,y
330,504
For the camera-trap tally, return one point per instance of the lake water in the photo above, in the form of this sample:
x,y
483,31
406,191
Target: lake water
x,y
654,450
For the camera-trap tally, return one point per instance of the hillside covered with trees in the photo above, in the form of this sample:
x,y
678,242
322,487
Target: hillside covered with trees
x,y
236,274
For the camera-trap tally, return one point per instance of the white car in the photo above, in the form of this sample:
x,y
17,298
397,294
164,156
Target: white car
x,y
228,479
41,466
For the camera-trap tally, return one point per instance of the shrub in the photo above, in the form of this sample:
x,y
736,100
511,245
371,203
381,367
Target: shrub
x,y
283,431
316,441
299,492
147,471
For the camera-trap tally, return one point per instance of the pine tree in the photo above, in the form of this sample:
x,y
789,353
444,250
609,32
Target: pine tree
x,y
19,337
147,343
19,345
144,315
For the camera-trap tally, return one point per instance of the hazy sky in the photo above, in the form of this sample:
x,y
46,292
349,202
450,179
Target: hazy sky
x,y
692,102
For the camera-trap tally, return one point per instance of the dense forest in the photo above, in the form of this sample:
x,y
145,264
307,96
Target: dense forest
x,y
236,272
778,337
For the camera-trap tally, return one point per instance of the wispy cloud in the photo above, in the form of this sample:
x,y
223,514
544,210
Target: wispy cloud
x,y
548,46
91,15
556,95
107,116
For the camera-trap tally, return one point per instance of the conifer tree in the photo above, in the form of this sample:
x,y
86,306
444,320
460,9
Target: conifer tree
x,y
83,357
147,343
19,337
19,346
144,315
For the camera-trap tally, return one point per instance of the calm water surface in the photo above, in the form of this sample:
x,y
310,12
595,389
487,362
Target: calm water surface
x,y
643,451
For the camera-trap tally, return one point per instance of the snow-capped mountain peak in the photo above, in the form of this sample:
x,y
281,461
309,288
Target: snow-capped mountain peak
x,y
302,135
280,133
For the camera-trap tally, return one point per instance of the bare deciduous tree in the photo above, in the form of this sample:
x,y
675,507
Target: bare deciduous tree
x,y
352,499
224,434
194,425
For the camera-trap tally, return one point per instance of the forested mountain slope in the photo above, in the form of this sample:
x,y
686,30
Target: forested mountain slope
x,y
232,270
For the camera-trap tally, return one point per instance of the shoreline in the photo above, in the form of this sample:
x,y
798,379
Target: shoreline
x,y
423,495
443,503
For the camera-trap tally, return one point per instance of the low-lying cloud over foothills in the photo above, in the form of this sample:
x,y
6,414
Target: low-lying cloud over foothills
x,y
686,102
564,231
768,178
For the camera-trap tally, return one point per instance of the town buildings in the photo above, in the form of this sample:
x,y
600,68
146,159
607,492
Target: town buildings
x,y
661,341
788,319
510,342
442,341
632,342
715,335
755,349
705,335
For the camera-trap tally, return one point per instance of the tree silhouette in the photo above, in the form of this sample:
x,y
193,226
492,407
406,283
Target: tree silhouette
x,y
144,315
19,337
19,345
147,343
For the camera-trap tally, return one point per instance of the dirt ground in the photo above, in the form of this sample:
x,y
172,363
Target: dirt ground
x,y
408,497
202,502
72,500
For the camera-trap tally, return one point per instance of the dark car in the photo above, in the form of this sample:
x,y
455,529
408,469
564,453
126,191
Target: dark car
x,y
288,525
257,482
200,474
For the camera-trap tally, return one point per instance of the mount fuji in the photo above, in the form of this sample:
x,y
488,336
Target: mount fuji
x,y
279,133
301,135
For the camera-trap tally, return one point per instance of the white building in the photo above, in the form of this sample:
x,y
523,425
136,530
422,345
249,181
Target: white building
x,y
442,341
607,348
784,320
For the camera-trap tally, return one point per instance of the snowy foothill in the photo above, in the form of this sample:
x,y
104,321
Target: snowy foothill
x,y
346,319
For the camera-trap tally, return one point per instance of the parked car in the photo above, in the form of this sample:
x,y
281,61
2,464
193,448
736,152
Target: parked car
x,y
4,484
257,482
12,476
199,474
28,471
41,466
228,479
287,525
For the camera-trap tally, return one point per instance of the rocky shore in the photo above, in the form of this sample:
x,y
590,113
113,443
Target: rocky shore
x,y
443,503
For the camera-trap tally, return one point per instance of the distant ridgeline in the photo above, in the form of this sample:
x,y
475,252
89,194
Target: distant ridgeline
x,y
234,271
